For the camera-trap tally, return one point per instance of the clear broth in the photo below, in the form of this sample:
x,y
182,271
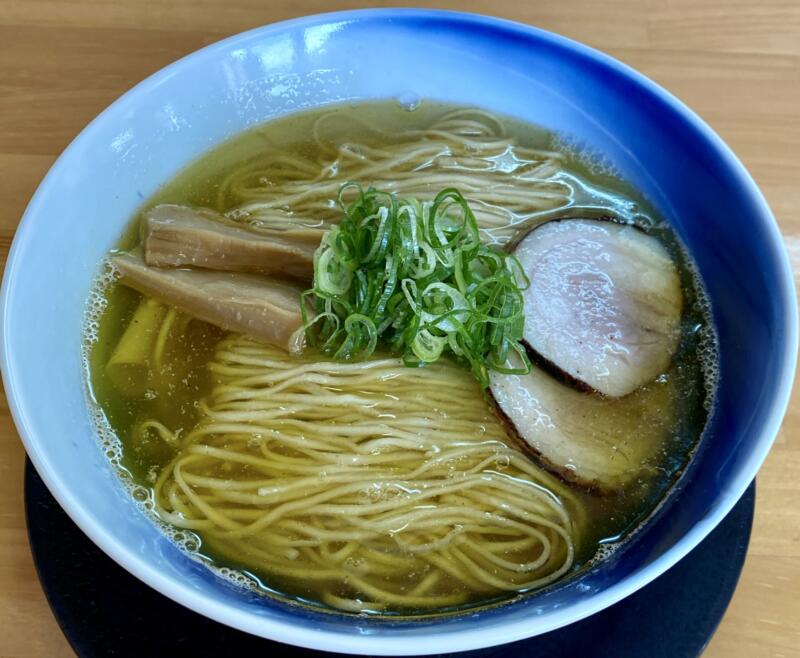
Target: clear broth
x,y
172,400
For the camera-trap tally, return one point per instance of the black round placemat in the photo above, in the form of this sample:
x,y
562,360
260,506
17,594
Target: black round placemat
x,y
104,611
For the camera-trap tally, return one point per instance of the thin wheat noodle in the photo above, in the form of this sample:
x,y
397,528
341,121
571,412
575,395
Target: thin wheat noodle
x,y
507,183
375,485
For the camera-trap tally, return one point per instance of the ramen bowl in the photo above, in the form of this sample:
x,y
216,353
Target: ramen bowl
x,y
656,143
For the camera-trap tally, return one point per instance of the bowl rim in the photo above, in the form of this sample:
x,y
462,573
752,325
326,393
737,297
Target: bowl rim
x,y
300,634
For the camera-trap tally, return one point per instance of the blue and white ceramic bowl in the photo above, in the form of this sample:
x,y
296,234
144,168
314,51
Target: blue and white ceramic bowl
x,y
171,118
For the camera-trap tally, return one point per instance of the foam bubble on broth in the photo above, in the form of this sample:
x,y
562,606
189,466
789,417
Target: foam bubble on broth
x,y
595,162
96,304
111,445
708,346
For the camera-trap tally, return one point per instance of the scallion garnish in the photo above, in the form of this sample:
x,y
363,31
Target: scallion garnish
x,y
416,277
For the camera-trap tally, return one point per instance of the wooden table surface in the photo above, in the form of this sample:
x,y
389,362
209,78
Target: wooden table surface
x,y
735,62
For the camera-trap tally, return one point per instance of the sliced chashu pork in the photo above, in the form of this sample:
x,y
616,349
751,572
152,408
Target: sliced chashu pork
x,y
266,309
604,305
176,236
600,443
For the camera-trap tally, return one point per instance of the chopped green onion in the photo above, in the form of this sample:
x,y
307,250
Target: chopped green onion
x,y
416,277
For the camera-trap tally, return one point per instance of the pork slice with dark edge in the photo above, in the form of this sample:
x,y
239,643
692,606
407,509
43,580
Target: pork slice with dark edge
x,y
597,442
604,304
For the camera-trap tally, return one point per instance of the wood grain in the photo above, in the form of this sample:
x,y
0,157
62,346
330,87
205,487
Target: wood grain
x,y
736,62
